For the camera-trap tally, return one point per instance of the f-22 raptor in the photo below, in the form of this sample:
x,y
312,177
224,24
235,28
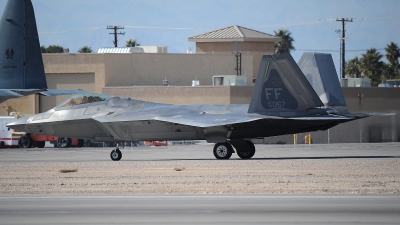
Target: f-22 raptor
x,y
283,100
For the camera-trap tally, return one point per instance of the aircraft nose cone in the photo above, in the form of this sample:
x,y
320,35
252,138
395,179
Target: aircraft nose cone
x,y
19,124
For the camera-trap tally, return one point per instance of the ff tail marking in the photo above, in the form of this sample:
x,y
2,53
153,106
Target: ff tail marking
x,y
282,89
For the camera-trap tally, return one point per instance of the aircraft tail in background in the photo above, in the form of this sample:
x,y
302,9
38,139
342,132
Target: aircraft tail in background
x,y
21,63
281,89
321,73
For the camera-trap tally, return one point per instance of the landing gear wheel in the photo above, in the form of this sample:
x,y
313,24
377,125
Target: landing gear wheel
x,y
25,141
63,142
116,155
247,153
223,150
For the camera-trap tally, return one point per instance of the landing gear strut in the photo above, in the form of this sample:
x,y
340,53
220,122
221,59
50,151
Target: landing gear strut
x,y
116,154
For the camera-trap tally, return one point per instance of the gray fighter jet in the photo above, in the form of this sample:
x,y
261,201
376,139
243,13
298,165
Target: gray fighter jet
x,y
21,63
283,102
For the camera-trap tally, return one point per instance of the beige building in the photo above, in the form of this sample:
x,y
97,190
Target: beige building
x,y
236,39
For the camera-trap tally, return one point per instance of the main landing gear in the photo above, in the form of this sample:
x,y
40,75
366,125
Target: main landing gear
x,y
116,154
223,150
245,149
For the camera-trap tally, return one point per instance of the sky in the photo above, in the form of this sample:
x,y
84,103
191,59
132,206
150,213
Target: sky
x,y
77,23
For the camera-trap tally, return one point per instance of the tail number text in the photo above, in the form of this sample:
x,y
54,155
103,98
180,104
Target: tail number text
x,y
273,95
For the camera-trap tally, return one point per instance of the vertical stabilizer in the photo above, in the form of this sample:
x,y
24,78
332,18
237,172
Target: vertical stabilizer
x,y
21,63
281,89
321,73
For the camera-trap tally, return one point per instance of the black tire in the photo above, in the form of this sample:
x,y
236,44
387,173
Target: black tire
x,y
80,143
63,142
247,153
25,141
222,150
116,155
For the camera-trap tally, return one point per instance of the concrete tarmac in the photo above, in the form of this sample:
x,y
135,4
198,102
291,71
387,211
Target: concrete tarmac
x,y
204,152
201,209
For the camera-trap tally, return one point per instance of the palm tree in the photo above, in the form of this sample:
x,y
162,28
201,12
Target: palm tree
x,y
371,66
387,72
85,49
131,43
286,45
353,68
392,55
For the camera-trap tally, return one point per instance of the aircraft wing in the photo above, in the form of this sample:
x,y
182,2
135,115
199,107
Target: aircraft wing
x,y
212,120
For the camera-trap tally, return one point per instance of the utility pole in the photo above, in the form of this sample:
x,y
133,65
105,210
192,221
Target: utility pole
x,y
343,63
339,32
116,28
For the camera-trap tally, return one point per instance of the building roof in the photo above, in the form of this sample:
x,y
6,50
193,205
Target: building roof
x,y
234,33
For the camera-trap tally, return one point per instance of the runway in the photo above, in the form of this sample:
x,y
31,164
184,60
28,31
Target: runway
x,y
144,188
201,209
204,152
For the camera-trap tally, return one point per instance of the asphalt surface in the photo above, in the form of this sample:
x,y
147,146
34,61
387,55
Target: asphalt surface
x,y
215,209
204,152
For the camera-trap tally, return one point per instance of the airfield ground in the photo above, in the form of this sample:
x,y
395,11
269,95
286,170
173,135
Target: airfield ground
x,y
192,169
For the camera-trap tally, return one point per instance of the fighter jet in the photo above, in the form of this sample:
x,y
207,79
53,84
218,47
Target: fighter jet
x,y
283,102
21,63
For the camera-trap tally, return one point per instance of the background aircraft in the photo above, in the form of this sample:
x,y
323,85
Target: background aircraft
x,y
21,63
283,102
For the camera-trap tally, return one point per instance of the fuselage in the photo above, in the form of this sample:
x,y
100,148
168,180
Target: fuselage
x,y
108,118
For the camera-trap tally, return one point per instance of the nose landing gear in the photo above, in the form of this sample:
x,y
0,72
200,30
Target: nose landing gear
x,y
116,154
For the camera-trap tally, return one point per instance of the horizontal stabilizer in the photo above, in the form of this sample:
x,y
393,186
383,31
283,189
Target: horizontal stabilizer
x,y
9,94
281,88
381,114
6,94
53,92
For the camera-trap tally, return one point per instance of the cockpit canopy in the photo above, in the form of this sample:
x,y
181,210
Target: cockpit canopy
x,y
83,99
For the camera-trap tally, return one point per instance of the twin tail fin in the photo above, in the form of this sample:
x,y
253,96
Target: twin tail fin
x,y
281,89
